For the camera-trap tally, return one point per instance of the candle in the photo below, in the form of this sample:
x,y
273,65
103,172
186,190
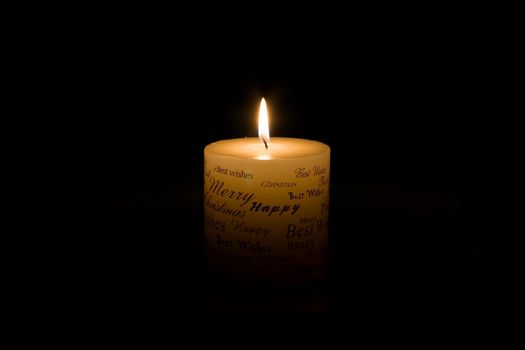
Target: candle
x,y
266,207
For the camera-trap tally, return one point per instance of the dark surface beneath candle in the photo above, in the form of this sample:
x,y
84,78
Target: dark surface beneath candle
x,y
416,223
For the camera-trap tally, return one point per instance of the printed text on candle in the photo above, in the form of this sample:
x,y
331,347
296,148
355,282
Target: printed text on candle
x,y
274,221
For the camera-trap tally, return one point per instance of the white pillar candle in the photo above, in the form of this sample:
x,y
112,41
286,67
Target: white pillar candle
x,y
266,207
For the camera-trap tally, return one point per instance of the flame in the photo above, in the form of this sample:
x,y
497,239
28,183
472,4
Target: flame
x,y
264,132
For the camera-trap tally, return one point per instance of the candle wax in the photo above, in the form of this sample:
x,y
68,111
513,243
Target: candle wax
x,y
266,209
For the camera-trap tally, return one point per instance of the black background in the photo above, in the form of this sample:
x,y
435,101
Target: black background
x,y
399,95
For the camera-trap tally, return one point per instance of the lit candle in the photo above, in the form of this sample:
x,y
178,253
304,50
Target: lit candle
x,y
266,206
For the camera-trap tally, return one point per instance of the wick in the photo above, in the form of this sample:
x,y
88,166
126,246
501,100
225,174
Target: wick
x,y
265,143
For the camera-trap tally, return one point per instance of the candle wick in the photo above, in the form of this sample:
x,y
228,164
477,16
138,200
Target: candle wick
x,y
265,143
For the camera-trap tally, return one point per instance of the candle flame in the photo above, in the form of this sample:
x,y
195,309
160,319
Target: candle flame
x,y
264,132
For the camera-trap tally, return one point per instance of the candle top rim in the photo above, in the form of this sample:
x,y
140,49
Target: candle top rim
x,y
279,148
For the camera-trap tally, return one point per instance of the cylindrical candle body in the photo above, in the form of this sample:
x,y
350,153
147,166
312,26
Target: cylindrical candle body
x,y
266,210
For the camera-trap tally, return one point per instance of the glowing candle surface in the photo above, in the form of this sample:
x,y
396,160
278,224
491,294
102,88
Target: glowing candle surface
x,y
266,207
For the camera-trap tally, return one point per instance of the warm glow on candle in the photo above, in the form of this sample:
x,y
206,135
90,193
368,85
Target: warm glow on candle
x,y
264,132
266,208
